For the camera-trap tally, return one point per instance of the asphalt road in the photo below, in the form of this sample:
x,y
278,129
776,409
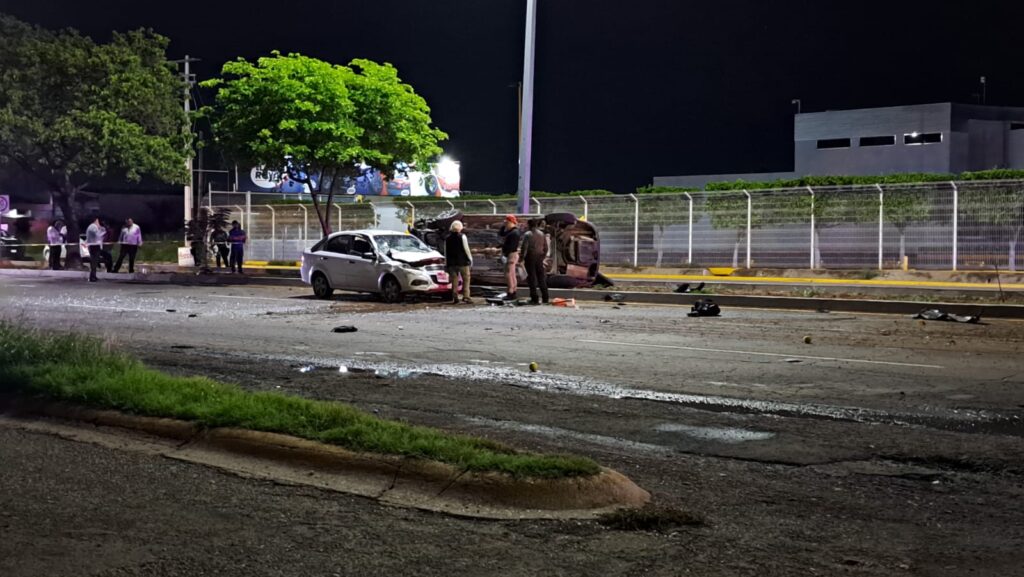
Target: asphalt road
x,y
883,446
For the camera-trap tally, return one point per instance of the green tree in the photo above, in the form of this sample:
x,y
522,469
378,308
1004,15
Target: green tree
x,y
903,207
73,111
1001,207
320,120
728,211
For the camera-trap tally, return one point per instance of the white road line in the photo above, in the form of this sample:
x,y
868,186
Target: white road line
x,y
118,309
293,301
682,348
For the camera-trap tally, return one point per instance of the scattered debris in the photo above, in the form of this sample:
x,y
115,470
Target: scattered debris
x,y
704,308
344,329
182,347
793,360
172,310
560,302
604,321
307,369
807,339
615,297
685,288
938,315
534,367
401,328
823,311
886,333
193,315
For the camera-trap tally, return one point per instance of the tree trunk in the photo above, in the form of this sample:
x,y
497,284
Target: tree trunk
x,y
736,251
330,201
659,239
65,199
816,258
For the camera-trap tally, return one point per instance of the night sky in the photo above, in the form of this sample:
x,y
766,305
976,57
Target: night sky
x,y
625,90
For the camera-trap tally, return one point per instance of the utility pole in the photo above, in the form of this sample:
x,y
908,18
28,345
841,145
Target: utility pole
x,y
526,121
189,82
983,90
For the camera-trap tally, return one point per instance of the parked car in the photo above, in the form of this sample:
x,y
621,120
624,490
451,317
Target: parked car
x,y
575,247
11,248
389,263
83,251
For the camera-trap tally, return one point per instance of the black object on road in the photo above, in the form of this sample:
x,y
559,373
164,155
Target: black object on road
x,y
705,308
615,298
344,329
938,315
685,288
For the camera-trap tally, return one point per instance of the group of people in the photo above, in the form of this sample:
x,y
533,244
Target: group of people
x,y
130,240
531,248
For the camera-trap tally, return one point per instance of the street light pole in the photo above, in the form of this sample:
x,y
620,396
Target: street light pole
x,y
526,122
189,80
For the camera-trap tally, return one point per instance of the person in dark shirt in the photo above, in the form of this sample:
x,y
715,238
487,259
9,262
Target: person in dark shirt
x,y
534,252
237,239
459,259
220,245
510,238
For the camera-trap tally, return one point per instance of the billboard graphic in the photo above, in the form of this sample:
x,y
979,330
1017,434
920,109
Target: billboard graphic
x,y
443,179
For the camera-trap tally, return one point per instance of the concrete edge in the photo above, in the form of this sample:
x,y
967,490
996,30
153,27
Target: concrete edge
x,y
408,482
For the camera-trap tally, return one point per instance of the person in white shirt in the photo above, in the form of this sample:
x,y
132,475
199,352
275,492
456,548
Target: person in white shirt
x,y
131,240
94,239
55,240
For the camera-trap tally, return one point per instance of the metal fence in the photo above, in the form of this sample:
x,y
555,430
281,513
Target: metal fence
x,y
968,225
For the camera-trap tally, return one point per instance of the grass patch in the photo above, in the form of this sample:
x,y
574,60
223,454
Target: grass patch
x,y
650,518
159,251
87,371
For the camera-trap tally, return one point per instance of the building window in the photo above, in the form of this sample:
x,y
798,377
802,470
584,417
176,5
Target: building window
x,y
922,138
877,140
834,143
1017,126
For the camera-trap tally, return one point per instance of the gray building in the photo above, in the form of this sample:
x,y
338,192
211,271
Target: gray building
x,y
942,138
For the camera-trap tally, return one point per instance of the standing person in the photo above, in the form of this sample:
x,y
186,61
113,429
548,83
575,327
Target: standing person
x,y
55,240
131,240
237,238
220,246
510,238
459,260
534,252
94,241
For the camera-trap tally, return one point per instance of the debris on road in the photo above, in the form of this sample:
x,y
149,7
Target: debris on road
x,y
172,310
193,315
344,329
605,321
792,360
704,308
560,302
939,315
615,297
307,369
534,367
685,288
807,339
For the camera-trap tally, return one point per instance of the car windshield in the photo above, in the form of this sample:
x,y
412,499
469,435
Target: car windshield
x,y
400,243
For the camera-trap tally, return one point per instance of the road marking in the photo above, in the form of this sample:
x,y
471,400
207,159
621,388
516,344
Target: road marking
x,y
118,308
704,350
293,301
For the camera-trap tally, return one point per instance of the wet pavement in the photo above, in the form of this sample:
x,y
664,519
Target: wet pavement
x,y
889,403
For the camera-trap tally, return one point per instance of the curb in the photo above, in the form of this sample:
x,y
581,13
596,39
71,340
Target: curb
x,y
407,482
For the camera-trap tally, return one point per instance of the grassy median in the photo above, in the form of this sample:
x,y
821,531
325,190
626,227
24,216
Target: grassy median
x,y
87,371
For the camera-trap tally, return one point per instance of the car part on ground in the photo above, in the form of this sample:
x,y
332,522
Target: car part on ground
x,y
574,256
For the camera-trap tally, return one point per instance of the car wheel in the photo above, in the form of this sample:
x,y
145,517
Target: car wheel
x,y
560,218
390,290
321,288
445,219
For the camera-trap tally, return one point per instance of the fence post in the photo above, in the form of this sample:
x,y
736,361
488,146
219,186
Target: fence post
x,y
452,206
537,202
241,215
247,217
811,190
750,205
376,217
586,208
412,214
273,232
305,224
956,221
636,229
689,230
881,222
338,208
494,207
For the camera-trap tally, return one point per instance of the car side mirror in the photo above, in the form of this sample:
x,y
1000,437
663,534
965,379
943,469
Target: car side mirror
x,y
369,256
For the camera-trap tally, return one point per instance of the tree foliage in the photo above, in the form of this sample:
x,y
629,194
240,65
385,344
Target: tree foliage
x,y
1001,207
73,111
318,120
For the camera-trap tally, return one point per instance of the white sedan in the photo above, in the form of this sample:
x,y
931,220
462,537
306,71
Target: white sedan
x,y
391,264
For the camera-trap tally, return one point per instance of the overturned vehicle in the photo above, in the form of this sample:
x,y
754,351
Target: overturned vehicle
x,y
573,257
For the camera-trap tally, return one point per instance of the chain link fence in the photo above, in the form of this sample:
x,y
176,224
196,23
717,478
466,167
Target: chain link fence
x,y
972,225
